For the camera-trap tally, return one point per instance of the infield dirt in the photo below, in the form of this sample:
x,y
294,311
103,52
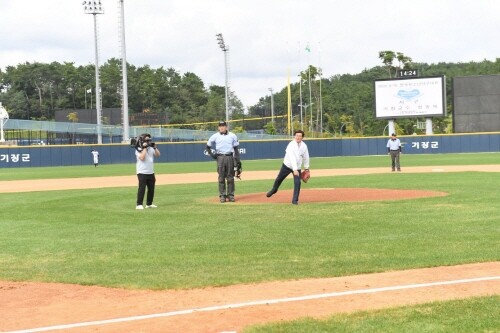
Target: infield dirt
x,y
30,305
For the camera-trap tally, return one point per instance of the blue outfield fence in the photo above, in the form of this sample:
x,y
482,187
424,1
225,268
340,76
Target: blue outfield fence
x,y
67,155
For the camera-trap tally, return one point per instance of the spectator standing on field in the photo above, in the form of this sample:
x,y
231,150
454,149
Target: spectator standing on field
x,y
394,150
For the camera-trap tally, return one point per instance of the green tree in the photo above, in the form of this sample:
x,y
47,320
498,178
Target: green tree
x,y
215,107
269,128
73,117
388,58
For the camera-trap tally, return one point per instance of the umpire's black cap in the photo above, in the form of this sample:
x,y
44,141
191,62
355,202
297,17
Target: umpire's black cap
x,y
222,123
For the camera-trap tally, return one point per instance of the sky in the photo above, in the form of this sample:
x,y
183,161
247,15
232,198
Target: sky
x,y
267,39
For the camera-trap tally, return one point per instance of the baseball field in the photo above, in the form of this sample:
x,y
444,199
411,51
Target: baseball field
x,y
366,250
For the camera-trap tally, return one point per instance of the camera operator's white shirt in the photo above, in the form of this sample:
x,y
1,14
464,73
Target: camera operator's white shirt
x,y
145,167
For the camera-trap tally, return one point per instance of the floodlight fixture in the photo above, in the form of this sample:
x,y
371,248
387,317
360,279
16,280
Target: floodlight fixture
x,y
93,7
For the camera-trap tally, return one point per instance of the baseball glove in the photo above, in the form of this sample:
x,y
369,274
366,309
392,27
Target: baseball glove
x,y
238,170
210,152
305,175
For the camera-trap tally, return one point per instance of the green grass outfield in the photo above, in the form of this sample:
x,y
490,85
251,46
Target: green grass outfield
x,y
96,237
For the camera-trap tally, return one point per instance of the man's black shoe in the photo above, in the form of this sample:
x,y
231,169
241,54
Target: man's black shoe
x,y
270,193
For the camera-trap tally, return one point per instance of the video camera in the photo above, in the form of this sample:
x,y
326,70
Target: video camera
x,y
142,141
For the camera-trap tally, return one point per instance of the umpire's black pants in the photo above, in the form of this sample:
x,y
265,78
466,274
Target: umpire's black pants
x,y
395,160
284,172
225,169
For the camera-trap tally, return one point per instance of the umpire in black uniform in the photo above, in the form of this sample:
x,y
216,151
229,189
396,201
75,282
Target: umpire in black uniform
x,y
227,154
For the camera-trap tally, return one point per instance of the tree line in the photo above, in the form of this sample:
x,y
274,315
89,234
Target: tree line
x,y
345,105
339,105
36,90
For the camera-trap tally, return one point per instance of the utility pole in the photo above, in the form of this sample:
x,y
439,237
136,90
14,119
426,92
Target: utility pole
x,y
301,105
272,105
125,120
310,101
94,8
225,49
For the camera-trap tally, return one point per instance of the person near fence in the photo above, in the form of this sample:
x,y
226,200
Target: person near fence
x,y
95,157
394,150
227,154
145,155
296,156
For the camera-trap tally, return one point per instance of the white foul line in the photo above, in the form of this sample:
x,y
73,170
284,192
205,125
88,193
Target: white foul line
x,y
253,303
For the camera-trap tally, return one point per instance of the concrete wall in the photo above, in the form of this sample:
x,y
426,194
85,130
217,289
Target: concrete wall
x,y
65,155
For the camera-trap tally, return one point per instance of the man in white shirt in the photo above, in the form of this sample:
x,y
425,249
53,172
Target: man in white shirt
x,y
296,156
145,170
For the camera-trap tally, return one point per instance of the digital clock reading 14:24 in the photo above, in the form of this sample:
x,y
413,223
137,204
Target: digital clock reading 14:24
x,y
407,72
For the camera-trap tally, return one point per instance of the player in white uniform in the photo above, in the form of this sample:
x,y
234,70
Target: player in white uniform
x,y
95,157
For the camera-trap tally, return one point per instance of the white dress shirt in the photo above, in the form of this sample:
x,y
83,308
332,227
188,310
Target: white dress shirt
x,y
296,155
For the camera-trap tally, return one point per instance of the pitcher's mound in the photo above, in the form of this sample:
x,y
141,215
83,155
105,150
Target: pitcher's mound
x,y
337,194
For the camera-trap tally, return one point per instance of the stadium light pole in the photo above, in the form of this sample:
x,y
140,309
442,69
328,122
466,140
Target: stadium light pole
x,y
225,49
301,105
310,101
94,8
320,101
125,120
272,105
305,111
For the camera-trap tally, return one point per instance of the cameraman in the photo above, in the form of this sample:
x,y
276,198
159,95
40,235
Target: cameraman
x,y
145,153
